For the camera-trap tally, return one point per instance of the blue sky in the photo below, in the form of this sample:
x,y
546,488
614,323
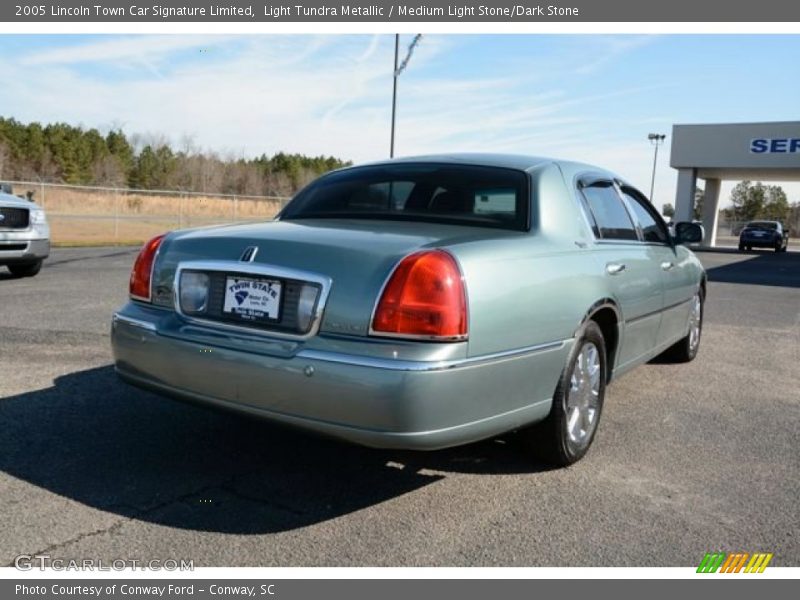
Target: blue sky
x,y
584,97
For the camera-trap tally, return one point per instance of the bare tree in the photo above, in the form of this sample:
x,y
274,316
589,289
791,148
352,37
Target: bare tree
x,y
279,184
4,159
108,171
188,144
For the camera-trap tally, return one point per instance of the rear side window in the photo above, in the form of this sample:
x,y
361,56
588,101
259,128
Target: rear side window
x,y
769,225
611,219
652,229
458,194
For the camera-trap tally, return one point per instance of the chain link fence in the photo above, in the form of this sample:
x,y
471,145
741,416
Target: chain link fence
x,y
92,215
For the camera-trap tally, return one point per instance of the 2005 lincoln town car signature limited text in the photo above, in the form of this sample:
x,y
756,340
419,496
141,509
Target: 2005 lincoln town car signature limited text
x,y
420,303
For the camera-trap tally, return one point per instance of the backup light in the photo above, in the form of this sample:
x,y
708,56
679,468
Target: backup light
x,y
194,292
424,298
306,306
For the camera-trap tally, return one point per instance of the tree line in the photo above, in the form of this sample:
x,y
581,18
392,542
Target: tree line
x,y
63,153
753,201
759,202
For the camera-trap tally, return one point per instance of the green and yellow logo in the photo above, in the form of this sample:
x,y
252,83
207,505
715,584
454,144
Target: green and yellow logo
x,y
734,562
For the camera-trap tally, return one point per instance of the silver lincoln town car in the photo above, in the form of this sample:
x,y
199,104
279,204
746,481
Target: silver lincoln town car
x,y
421,303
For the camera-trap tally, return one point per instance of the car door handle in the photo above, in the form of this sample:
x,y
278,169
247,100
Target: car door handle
x,y
667,266
615,268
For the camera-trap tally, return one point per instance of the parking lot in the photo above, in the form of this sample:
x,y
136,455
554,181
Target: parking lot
x,y
688,459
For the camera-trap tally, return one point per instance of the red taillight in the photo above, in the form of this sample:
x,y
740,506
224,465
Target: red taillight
x,y
424,297
143,269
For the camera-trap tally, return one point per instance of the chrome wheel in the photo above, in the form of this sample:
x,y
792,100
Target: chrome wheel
x,y
695,319
567,433
582,401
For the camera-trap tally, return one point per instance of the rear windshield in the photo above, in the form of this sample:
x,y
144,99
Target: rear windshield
x,y
458,194
762,225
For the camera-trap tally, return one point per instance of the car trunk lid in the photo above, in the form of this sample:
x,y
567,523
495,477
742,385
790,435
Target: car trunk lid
x,y
356,255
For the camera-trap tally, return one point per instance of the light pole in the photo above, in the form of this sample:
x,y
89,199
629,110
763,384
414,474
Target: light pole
x,y
656,139
394,91
398,69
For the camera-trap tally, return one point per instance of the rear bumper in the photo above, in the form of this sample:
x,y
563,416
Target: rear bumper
x,y
421,405
17,249
760,242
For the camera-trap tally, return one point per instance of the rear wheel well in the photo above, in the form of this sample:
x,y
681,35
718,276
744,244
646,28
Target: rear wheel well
x,y
606,319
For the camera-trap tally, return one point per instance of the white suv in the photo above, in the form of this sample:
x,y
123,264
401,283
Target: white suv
x,y
24,235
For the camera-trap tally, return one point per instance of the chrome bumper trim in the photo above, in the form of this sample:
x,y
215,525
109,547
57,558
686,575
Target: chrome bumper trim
x,y
385,363
422,365
117,317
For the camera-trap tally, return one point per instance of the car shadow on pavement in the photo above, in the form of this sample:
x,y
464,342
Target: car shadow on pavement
x,y
95,440
780,269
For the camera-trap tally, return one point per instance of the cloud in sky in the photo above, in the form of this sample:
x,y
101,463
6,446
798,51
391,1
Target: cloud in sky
x,y
114,50
584,97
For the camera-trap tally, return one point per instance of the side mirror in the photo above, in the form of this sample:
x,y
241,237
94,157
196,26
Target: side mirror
x,y
688,233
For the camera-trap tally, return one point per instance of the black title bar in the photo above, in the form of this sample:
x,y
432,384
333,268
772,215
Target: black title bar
x,y
247,11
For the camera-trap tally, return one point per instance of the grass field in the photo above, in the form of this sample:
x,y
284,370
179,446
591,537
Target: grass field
x,y
95,217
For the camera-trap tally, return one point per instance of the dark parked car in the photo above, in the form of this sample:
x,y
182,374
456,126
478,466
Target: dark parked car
x,y
764,234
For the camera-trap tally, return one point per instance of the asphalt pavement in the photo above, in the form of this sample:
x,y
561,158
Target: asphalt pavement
x,y
688,459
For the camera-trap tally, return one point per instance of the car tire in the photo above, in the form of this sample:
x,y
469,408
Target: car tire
x,y
25,269
741,247
566,435
779,247
686,349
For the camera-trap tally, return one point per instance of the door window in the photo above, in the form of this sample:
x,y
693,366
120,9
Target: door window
x,y
611,218
653,228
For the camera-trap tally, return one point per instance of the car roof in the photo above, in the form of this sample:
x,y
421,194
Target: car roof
x,y
522,162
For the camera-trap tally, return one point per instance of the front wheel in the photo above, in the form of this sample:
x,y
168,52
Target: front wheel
x,y
564,437
25,269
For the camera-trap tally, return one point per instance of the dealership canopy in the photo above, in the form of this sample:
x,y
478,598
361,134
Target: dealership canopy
x,y
754,151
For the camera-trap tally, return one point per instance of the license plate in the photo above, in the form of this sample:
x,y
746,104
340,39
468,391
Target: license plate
x,y
252,299
758,233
